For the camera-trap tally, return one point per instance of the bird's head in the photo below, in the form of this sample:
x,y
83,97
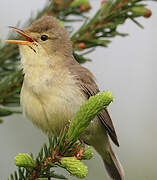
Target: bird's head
x,y
43,37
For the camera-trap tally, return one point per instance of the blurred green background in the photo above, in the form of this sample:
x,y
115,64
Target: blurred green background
x,y
128,69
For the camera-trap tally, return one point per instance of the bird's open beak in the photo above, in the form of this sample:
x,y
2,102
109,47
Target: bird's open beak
x,y
26,36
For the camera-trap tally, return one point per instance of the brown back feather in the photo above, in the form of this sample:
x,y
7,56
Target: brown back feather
x,y
86,82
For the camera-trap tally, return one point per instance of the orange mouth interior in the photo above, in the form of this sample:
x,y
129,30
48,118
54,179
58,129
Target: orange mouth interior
x,y
26,36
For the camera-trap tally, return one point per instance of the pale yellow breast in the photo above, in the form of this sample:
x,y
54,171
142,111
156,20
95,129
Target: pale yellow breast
x,y
49,96
51,100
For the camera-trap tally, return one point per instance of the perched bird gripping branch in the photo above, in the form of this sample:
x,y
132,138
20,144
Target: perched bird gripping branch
x,y
55,86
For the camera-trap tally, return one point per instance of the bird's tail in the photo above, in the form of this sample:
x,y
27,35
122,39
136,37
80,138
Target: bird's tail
x,y
112,164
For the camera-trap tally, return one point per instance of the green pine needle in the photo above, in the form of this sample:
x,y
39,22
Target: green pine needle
x,y
74,166
86,113
24,160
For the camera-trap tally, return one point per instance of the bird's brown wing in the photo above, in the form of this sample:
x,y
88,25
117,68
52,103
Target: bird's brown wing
x,y
86,81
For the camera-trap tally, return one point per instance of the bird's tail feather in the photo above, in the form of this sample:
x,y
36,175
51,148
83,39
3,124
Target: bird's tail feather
x,y
113,166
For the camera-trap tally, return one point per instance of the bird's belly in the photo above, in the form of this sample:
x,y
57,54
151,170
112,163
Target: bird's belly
x,y
52,110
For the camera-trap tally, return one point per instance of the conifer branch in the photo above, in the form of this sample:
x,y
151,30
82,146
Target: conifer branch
x,y
104,24
65,151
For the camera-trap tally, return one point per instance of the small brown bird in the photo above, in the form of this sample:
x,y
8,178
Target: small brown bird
x,y
55,86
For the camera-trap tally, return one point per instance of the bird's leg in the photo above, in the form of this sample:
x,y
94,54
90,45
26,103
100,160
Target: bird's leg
x,y
81,141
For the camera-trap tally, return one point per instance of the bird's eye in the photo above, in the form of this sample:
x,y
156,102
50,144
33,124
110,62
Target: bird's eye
x,y
44,37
